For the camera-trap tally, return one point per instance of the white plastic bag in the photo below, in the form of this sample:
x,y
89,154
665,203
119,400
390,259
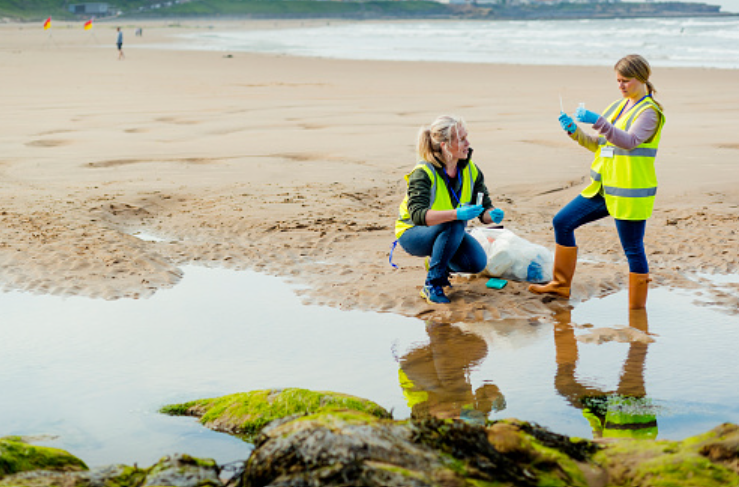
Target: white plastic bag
x,y
512,257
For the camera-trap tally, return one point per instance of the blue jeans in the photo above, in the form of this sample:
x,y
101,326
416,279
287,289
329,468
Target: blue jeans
x,y
583,210
450,248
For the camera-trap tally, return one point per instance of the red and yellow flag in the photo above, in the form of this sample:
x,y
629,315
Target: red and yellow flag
x,y
47,24
88,25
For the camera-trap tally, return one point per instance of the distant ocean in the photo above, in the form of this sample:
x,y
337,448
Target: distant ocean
x,y
711,42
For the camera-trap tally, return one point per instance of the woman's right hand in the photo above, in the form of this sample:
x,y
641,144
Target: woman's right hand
x,y
469,212
568,125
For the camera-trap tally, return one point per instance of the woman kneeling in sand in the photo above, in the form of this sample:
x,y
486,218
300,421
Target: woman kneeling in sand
x,y
623,181
445,190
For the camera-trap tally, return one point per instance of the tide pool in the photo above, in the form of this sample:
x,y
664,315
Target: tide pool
x,y
90,375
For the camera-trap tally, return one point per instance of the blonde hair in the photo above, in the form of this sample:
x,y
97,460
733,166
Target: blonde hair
x,y
444,129
635,66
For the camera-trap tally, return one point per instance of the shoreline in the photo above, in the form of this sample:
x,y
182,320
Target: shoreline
x,y
495,41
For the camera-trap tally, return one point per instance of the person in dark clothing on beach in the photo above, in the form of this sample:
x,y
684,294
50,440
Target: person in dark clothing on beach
x,y
119,43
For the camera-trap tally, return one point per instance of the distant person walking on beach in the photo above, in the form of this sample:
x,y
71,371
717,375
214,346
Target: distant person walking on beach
x,y
623,182
119,43
445,190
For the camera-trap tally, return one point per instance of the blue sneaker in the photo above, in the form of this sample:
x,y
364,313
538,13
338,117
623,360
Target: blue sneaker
x,y
445,280
434,294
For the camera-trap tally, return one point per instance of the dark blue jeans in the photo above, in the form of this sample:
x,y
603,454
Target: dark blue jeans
x,y
450,248
583,210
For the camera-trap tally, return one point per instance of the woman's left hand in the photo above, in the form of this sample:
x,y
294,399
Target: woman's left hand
x,y
496,215
586,116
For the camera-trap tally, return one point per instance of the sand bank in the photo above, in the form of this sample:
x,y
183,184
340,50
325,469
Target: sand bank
x,y
294,166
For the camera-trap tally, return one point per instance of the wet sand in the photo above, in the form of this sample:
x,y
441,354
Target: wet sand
x,y
294,167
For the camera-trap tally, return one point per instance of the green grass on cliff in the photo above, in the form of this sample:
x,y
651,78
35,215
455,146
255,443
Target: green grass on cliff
x,y
37,10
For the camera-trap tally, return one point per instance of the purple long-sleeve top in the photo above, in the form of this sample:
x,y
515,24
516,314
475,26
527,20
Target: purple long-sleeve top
x,y
642,129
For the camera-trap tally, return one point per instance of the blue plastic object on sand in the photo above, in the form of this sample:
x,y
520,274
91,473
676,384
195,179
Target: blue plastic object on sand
x,y
534,272
495,283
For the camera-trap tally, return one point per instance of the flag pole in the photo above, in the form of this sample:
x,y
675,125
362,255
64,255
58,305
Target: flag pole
x,y
47,26
88,26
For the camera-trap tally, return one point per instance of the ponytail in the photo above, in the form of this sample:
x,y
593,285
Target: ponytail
x,y
652,90
425,146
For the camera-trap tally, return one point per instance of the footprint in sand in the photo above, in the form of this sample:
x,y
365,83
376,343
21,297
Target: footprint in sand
x,y
727,146
177,121
47,143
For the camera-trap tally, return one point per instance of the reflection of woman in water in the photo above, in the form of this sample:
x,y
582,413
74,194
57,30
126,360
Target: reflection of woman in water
x,y
435,377
623,413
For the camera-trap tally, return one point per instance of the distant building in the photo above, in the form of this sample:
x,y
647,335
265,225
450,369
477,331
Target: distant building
x,y
89,8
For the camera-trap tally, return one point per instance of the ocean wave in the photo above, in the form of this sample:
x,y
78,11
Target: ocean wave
x,y
685,42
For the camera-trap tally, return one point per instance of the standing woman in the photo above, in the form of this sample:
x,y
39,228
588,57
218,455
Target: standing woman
x,y
441,196
622,178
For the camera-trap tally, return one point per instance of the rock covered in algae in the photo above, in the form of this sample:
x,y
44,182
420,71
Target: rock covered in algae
x,y
175,470
18,456
354,448
184,471
341,448
707,460
244,414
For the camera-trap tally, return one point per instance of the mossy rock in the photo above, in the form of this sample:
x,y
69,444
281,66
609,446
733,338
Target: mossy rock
x,y
341,448
510,451
109,476
707,460
352,448
18,456
175,470
245,414
184,471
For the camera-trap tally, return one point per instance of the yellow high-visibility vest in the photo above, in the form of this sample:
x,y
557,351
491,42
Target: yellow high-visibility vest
x,y
412,395
440,199
626,178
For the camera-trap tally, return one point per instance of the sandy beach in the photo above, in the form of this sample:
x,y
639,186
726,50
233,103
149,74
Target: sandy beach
x,y
294,167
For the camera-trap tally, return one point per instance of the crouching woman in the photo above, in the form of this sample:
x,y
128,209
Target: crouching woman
x,y
442,197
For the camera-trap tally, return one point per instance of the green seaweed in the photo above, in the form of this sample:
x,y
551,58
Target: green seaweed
x,y
245,414
18,456
663,463
129,477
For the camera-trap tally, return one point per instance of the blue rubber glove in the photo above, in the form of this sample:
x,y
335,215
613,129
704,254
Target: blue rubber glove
x,y
567,123
496,214
586,116
468,212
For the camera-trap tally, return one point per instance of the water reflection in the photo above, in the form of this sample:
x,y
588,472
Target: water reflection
x,y
623,412
93,373
435,377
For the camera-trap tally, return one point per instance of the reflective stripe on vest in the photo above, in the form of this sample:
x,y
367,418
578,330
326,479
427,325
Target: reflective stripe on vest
x,y
627,180
439,198
630,192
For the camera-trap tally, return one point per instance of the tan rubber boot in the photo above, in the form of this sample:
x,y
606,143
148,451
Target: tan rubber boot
x,y
565,260
638,287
